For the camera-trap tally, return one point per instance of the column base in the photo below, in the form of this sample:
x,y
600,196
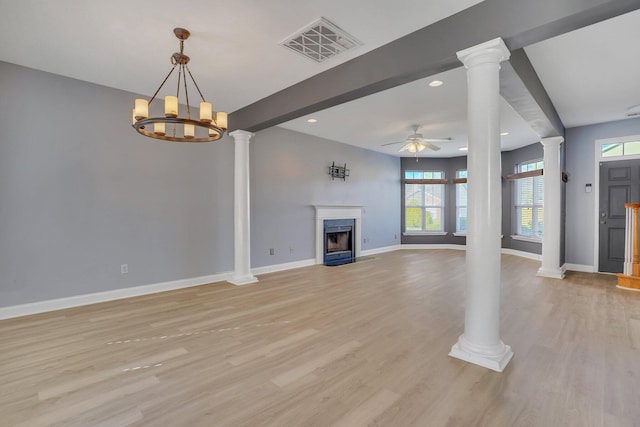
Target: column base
x,y
553,273
494,357
243,280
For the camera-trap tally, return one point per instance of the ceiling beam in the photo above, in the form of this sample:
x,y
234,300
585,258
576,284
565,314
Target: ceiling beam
x,y
523,90
426,52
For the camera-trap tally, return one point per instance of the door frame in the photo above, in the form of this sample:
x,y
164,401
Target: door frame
x,y
598,143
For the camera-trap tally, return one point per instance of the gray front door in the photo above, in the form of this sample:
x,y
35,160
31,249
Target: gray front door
x,y
619,184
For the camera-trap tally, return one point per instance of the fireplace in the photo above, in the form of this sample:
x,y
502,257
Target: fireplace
x,y
339,241
337,212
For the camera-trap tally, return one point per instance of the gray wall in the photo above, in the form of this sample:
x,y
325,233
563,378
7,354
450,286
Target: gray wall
x,y
289,174
580,161
81,193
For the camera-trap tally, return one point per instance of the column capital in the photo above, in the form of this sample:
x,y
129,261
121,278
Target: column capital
x,y
551,141
241,135
492,51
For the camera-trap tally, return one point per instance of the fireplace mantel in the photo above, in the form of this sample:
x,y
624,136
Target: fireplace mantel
x,y
336,212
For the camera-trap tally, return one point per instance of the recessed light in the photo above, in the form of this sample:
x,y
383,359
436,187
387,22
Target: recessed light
x,y
312,120
435,83
463,148
504,133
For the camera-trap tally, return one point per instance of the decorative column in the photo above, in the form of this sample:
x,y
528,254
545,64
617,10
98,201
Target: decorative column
x,y
241,211
552,213
480,344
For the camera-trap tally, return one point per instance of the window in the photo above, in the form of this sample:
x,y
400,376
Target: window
x,y
629,148
529,201
424,201
461,202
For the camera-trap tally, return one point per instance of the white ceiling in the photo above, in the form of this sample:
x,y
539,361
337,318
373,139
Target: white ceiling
x,y
236,59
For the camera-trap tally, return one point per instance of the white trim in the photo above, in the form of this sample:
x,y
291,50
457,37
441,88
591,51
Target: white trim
x,y
409,246
285,266
526,238
551,273
94,298
521,254
381,250
494,357
98,297
425,233
579,267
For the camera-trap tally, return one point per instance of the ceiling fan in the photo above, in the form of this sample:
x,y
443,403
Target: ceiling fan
x,y
416,143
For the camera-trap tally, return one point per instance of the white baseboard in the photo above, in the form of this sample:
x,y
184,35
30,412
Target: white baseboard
x,y
281,267
521,254
78,300
380,250
507,251
579,267
409,246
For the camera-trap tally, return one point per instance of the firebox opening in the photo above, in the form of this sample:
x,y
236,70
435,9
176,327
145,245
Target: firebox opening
x,y
339,241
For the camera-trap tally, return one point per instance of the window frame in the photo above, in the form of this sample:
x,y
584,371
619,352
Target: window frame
x,y
461,181
525,171
425,178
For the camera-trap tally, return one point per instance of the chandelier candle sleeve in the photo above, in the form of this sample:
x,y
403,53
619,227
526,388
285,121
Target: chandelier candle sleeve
x,y
141,110
205,112
189,130
221,120
158,128
171,106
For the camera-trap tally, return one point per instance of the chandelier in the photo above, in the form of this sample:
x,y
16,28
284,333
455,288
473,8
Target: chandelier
x,y
171,127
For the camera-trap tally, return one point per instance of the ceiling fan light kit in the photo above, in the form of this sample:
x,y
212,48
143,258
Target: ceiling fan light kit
x,y
416,143
210,126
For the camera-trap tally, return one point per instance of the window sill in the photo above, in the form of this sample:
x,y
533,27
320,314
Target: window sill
x,y
526,238
460,234
425,233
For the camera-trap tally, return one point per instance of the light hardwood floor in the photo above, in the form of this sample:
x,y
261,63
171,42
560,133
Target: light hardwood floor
x,y
360,344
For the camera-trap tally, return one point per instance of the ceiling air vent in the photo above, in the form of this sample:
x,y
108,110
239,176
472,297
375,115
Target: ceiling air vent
x,y
320,41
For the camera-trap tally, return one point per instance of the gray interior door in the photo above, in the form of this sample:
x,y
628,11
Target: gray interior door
x,y
619,184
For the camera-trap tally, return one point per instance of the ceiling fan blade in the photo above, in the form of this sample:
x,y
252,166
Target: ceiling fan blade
x,y
392,143
430,145
437,139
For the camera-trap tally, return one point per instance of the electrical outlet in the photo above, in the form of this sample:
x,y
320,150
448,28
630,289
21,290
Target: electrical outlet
x,y
124,268
395,237
290,250
272,251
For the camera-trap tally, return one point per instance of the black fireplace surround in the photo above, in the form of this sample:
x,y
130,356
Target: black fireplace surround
x,y
339,241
